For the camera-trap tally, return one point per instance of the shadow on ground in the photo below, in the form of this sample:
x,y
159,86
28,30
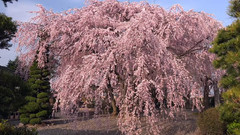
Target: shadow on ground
x,y
59,131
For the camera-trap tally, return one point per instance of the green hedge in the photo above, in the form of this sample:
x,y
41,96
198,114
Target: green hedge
x,y
209,122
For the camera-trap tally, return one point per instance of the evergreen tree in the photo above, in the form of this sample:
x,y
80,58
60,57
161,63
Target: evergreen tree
x,y
38,107
234,8
12,65
7,31
226,46
12,92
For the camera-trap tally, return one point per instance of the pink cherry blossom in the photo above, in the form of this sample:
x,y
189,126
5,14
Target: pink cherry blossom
x,y
136,54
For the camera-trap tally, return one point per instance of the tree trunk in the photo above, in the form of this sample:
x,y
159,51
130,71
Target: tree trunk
x,y
113,102
216,94
114,107
206,93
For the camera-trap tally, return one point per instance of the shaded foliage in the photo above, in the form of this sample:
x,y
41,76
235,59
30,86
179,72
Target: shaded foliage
x,y
12,92
226,46
210,123
7,31
12,65
230,112
234,8
7,129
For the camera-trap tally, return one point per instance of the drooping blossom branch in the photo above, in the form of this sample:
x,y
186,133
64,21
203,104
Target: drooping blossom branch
x,y
118,53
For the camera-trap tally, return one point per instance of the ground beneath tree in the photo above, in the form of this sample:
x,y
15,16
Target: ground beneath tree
x,y
105,125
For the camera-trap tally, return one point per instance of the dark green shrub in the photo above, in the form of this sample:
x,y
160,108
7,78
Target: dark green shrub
x,y
7,129
45,106
30,99
230,113
46,72
31,80
24,120
34,72
23,116
32,106
35,86
36,76
39,82
38,106
45,87
42,100
35,121
42,114
12,92
22,110
32,116
209,122
42,95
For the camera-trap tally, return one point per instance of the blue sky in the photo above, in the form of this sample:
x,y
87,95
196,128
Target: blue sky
x,y
19,11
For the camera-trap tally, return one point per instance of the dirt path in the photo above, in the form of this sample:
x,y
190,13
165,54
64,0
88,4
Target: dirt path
x,y
95,126
108,126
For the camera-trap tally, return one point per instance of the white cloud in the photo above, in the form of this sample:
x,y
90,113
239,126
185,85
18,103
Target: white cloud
x,y
20,10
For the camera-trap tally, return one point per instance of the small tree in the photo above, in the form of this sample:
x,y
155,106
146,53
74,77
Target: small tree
x,y
38,106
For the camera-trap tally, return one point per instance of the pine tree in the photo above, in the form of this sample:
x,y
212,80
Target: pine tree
x,y
38,107
7,31
226,46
